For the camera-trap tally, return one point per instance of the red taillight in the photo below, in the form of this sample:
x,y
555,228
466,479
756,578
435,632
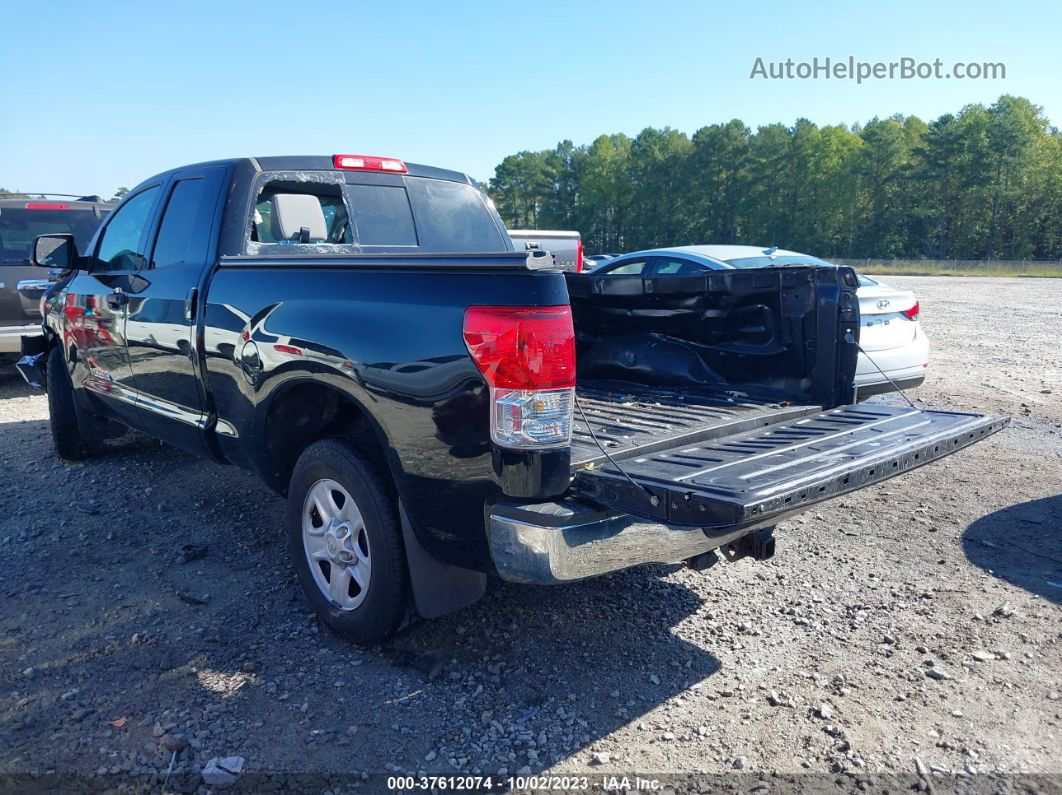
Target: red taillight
x,y
369,163
522,347
911,313
579,256
46,206
290,349
527,357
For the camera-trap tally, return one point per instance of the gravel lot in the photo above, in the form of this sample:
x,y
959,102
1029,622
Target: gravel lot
x,y
916,619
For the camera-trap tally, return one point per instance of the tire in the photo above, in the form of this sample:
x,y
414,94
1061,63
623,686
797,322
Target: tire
x,y
340,514
68,434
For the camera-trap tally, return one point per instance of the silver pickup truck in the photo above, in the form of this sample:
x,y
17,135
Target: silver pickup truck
x,y
21,284
565,246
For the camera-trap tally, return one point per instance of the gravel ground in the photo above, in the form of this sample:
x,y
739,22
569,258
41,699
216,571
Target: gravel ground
x,y
915,619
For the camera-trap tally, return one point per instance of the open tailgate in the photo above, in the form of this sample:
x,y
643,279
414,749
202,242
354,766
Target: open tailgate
x,y
750,477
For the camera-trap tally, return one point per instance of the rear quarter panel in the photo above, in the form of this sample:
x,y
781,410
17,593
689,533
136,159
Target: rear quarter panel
x,y
392,341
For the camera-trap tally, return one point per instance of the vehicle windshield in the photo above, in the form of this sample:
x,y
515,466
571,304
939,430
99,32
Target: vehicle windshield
x,y
18,227
776,261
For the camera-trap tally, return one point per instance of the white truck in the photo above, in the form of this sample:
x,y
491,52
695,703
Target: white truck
x,y
565,246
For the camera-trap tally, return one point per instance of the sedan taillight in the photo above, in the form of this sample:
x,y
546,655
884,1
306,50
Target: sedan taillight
x,y
911,313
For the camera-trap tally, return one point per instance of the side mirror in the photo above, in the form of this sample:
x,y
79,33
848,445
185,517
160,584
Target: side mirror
x,y
55,251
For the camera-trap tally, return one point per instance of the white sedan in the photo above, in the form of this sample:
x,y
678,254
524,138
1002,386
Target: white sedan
x,y
892,336
896,348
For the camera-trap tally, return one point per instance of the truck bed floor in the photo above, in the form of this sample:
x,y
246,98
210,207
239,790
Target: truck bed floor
x,y
632,420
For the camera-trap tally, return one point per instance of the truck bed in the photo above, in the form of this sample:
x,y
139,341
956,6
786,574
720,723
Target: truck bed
x,y
630,420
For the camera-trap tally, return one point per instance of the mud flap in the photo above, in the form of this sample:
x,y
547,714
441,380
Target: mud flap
x,y
438,588
748,478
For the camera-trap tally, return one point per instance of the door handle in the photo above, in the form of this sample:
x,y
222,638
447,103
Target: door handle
x,y
117,298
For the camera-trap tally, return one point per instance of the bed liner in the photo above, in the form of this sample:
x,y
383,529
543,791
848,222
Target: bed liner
x,y
630,420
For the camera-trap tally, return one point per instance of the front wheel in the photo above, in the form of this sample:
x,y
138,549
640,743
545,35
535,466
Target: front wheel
x,y
71,434
344,540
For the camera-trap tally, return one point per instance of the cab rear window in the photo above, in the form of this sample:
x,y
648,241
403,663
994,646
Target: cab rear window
x,y
453,216
18,227
382,216
381,213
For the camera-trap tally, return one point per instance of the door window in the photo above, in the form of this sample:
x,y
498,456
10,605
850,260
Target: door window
x,y
677,267
185,229
634,268
119,247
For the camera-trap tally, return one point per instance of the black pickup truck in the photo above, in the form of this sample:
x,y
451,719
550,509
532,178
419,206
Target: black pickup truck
x,y
439,408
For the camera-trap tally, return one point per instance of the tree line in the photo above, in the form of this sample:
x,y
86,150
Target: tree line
x,y
983,183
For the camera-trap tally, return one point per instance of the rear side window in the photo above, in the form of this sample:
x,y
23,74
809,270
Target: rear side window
x,y
382,216
185,228
677,267
628,268
452,216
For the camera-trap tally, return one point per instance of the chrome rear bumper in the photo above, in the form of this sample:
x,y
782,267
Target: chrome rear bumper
x,y
11,336
554,542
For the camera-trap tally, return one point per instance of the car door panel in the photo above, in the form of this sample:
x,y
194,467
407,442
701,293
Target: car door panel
x,y
94,330
94,310
161,326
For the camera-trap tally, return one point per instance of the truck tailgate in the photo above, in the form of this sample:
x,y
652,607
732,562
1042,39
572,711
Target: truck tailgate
x,y
749,477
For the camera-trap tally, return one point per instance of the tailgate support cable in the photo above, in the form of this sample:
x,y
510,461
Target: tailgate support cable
x,y
851,339
653,499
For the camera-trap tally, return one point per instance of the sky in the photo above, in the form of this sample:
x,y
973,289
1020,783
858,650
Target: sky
x,y
97,95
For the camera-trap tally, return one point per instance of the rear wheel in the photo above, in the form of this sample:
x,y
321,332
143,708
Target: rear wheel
x,y
72,439
344,540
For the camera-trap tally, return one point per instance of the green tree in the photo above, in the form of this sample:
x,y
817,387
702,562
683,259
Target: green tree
x,y
983,182
716,179
605,185
657,213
